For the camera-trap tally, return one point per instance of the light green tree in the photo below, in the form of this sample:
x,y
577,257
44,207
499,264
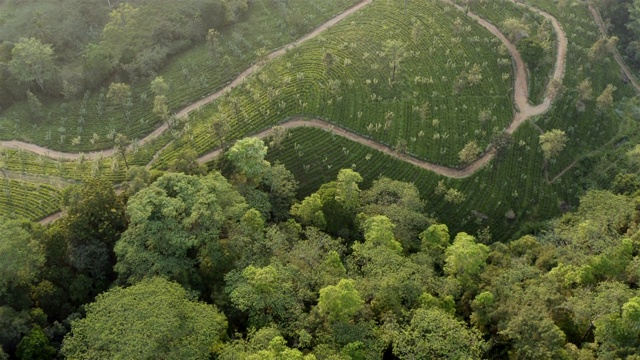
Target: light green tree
x,y
469,153
436,334
310,211
465,258
154,319
552,143
120,94
514,29
121,144
340,302
159,87
248,157
378,231
31,60
265,293
605,100
347,190
435,240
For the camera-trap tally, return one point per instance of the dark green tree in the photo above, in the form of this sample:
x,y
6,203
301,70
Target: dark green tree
x,y
35,346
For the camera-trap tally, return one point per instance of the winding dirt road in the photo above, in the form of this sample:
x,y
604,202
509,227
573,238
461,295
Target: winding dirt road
x,y
524,108
524,112
521,91
71,156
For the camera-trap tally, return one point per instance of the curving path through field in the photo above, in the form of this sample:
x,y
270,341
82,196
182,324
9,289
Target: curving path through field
x,y
521,90
71,156
524,109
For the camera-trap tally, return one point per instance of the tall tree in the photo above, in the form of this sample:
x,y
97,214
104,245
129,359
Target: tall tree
x,y
121,144
340,302
401,203
552,143
515,29
21,258
154,319
31,60
248,157
266,294
174,226
35,346
465,258
605,100
94,221
435,334
469,153
120,94
347,190
395,52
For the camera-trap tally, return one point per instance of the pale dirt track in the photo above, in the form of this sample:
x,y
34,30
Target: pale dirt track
x,y
70,156
521,91
524,109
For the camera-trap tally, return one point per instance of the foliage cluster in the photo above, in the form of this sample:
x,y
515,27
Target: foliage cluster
x,y
199,266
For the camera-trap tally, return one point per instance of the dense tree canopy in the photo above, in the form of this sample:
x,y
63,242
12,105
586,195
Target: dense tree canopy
x,y
21,257
153,319
31,60
171,221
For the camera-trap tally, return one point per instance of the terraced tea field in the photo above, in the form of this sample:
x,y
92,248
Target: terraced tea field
x,y
346,77
402,87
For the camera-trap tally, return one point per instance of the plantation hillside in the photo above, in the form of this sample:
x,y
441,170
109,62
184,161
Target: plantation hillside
x,y
298,179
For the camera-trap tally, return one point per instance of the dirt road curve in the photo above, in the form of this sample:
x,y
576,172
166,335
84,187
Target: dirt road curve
x,y
524,112
20,145
521,91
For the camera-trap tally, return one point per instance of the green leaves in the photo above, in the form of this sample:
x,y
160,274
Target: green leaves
x,y
552,143
435,334
248,157
21,258
465,258
347,190
378,231
31,60
340,302
266,294
172,220
153,319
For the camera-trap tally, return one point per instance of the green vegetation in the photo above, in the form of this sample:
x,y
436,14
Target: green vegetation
x,y
90,120
532,34
590,132
489,196
457,239
28,200
415,90
208,275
